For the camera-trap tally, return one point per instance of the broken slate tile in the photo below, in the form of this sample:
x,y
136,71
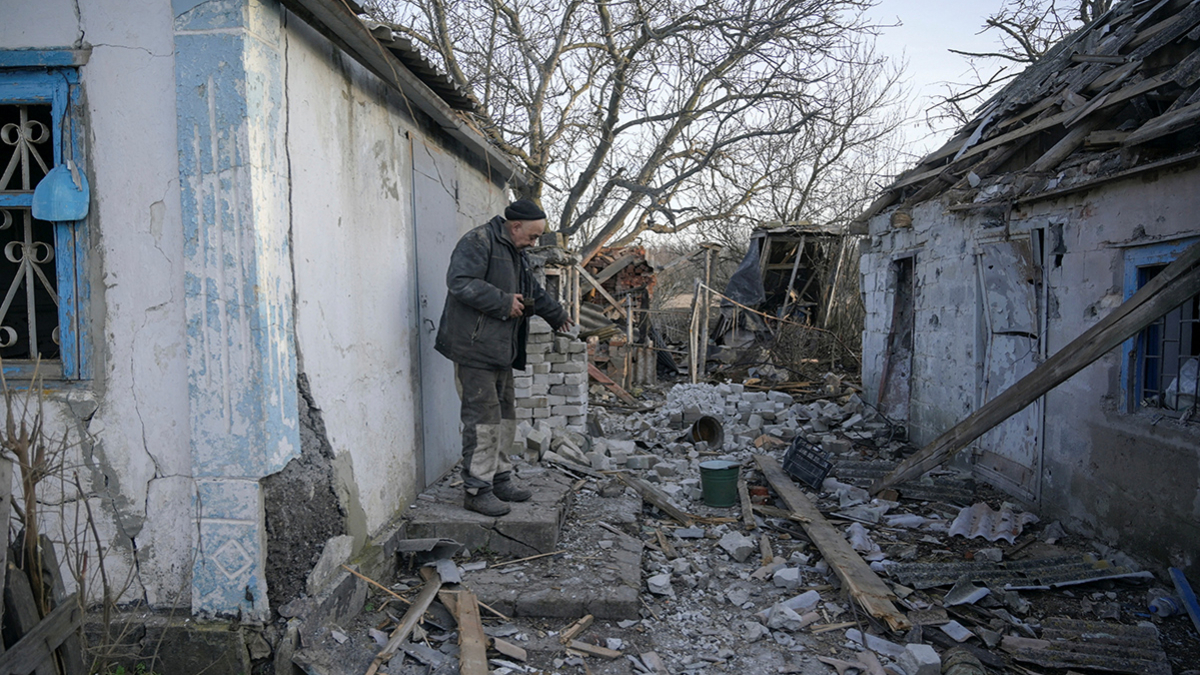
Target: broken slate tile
x,y
956,631
965,593
878,644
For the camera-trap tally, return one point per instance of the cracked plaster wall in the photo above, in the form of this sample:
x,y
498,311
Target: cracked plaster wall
x,y
355,270
131,420
1121,477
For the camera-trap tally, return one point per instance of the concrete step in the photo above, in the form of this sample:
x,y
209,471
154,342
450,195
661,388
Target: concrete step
x,y
586,578
531,527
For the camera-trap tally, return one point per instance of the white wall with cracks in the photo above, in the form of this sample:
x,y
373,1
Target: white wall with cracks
x,y
1131,479
353,250
127,427
355,262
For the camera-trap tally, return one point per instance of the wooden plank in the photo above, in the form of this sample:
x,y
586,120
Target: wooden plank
x,y
575,629
864,585
667,548
747,505
22,613
71,649
764,547
1119,96
1178,282
652,495
411,618
1163,125
510,650
583,274
472,643
33,652
594,650
614,267
615,388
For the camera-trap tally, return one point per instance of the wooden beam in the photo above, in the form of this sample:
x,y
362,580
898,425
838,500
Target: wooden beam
x,y
472,643
34,652
410,621
615,388
600,289
1178,282
594,650
575,629
650,494
747,505
864,585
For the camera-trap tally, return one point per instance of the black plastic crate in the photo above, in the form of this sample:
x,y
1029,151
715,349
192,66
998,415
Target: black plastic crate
x,y
806,463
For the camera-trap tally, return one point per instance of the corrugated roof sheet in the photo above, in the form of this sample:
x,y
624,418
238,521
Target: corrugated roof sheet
x,y
404,50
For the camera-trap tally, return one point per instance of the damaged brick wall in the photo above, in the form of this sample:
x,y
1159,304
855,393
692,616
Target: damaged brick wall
x,y
302,508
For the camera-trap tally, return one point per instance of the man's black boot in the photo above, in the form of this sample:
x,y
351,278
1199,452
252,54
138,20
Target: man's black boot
x,y
507,490
486,503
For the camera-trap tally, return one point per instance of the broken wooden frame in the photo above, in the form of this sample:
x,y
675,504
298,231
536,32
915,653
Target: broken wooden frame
x,y
1178,282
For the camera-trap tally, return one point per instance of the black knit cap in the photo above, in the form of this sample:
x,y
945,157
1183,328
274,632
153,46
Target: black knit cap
x,y
523,209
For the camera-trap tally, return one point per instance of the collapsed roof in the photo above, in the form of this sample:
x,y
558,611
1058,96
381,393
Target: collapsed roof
x,y
1119,97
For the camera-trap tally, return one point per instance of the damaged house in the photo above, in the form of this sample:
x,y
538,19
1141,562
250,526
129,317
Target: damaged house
x,y
1072,188
235,333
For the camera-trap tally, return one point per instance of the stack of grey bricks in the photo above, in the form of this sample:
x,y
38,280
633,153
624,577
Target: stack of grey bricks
x,y
551,393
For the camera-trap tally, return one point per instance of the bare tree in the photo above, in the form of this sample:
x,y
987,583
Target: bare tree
x,y
636,115
1027,30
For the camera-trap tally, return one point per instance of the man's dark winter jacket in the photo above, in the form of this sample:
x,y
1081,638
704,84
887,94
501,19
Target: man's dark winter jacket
x,y
486,269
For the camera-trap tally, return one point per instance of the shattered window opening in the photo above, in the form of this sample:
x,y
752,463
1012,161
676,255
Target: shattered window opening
x,y
1167,356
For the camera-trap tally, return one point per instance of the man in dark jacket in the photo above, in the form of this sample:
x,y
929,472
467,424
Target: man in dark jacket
x,y
483,331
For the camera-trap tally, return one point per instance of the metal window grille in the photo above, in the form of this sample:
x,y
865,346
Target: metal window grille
x,y
1168,356
29,311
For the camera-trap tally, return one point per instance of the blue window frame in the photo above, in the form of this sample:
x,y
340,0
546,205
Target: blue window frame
x,y
42,288
1159,364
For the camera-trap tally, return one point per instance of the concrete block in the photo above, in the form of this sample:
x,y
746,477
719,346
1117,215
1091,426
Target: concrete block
x,y
555,377
538,441
538,325
535,358
660,584
787,577
539,368
570,410
738,546
920,659
337,551
836,446
570,367
577,347
555,359
574,378
640,461
539,413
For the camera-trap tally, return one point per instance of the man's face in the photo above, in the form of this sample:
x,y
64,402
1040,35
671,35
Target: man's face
x,y
525,233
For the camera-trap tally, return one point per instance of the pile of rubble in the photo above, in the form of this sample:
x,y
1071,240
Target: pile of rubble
x,y
977,584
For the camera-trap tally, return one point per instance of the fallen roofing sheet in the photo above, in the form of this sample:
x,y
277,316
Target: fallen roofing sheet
x,y
979,520
1098,645
949,489
1039,574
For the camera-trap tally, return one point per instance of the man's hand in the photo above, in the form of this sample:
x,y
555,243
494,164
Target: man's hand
x,y
518,308
565,325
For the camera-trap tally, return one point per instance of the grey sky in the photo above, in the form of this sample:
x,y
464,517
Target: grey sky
x,y
928,29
